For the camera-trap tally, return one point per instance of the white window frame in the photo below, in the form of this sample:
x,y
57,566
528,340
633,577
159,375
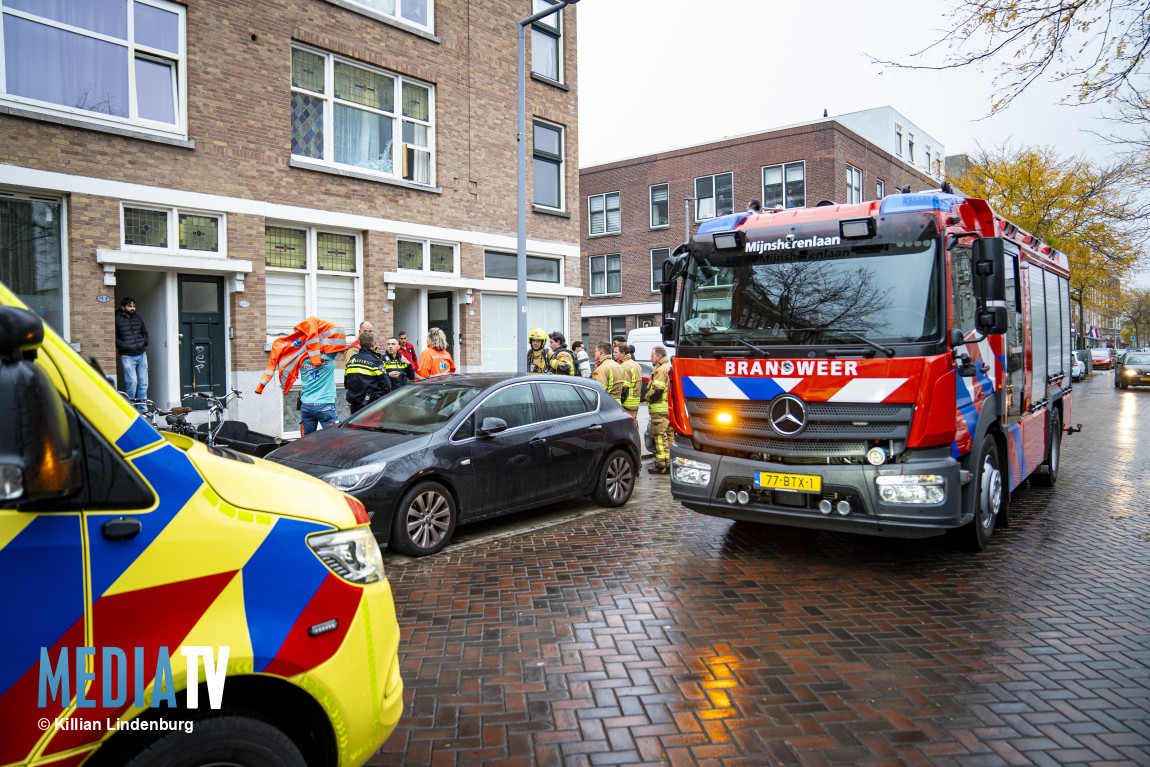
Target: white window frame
x,y
551,26
880,188
559,261
312,272
65,279
657,280
910,148
426,268
606,276
173,223
396,17
854,184
783,170
547,157
135,51
898,140
606,219
398,145
714,195
651,201
928,168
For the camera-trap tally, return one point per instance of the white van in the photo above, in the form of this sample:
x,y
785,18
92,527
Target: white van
x,y
644,340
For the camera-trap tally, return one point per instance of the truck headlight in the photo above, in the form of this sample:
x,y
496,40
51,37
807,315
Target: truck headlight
x,y
690,472
355,478
351,554
922,489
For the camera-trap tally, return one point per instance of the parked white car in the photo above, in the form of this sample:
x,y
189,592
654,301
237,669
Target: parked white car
x,y
1077,368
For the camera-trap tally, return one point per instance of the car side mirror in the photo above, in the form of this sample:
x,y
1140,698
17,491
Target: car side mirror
x,y
492,426
37,455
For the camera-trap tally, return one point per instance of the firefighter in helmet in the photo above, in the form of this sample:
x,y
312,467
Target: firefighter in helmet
x,y
538,355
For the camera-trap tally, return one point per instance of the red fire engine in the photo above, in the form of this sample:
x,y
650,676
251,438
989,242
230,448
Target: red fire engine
x,y
894,367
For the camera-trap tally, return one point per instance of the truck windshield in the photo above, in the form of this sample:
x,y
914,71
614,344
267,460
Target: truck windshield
x,y
888,293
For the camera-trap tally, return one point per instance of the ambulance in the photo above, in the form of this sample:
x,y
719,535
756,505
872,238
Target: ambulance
x,y
167,603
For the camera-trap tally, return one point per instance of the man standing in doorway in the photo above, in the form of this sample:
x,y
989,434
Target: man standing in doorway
x,y
131,345
317,401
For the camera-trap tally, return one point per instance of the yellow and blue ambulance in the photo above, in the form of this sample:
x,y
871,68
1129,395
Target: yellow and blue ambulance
x,y
163,602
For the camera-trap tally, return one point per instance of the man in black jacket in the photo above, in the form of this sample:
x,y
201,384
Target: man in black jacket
x,y
399,369
364,378
131,345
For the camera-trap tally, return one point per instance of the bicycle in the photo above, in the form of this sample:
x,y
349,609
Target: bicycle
x,y
233,435
175,419
216,408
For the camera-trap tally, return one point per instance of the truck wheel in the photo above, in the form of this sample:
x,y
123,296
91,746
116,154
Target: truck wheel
x,y
616,480
424,520
988,501
1047,473
232,740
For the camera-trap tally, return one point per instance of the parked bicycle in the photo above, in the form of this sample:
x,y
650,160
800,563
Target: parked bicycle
x,y
174,420
235,435
210,431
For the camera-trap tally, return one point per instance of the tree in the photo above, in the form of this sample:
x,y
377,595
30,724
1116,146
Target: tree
x,y
1137,305
1090,212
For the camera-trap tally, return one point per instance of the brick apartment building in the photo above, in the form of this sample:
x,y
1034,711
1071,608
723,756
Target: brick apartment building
x,y
237,166
639,210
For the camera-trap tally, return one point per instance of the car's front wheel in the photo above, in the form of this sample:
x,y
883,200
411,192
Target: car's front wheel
x,y
424,520
616,480
222,740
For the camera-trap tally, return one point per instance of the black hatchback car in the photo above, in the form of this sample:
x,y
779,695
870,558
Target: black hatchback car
x,y
1133,370
452,450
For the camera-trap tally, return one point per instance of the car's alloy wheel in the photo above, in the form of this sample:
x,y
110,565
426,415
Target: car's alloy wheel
x,y
616,480
424,520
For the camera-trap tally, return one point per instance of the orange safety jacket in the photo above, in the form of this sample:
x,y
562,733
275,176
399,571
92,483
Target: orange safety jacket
x,y
435,362
312,338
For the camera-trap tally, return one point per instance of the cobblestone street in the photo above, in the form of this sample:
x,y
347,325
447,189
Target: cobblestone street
x,y
653,635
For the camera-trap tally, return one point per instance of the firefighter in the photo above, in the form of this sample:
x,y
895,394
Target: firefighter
x,y
657,395
364,378
562,360
633,382
538,358
608,372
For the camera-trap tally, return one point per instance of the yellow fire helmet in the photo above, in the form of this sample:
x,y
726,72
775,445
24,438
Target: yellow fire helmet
x,y
537,335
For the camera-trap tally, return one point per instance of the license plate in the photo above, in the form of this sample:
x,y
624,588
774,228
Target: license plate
x,y
803,483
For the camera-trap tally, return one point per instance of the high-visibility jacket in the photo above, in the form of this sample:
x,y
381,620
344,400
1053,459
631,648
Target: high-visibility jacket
x,y
435,362
633,382
611,374
538,360
311,338
562,362
401,364
365,379
658,390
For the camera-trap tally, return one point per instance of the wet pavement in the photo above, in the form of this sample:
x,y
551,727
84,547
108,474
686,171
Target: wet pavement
x,y
653,635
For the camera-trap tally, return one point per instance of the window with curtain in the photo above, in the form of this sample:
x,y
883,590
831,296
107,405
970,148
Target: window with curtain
x,y
660,206
547,42
417,12
603,213
785,185
115,62
606,275
854,184
311,272
378,121
547,168
714,196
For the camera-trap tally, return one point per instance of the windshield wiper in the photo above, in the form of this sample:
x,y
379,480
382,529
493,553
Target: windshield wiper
x,y
703,337
386,429
859,337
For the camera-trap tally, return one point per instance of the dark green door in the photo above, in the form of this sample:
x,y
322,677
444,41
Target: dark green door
x,y
202,336
439,308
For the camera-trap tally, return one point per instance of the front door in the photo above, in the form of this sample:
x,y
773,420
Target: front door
x,y
202,338
439,316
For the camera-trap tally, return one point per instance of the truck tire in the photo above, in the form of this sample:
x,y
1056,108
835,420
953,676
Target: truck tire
x,y
988,499
1047,473
239,740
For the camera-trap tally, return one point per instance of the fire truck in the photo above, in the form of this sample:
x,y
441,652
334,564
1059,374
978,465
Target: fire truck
x,y
894,368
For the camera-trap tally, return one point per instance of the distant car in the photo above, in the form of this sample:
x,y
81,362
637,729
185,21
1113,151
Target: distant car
x,y
1134,370
1077,368
447,451
1102,357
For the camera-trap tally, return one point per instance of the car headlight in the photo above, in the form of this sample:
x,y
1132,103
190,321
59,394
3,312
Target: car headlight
x,y
1130,372
926,489
690,472
355,478
351,554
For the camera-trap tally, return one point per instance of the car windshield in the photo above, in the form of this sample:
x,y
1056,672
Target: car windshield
x,y
415,409
1138,359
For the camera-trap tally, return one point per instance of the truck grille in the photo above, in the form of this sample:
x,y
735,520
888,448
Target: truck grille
x,y
833,430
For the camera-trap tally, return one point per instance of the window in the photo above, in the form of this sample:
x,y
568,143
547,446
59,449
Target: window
x,y
515,405
910,147
658,256
504,266
415,12
604,213
547,42
660,206
347,114
32,256
585,334
898,140
311,273
879,189
929,165
113,62
854,184
173,229
606,275
563,400
426,256
785,185
547,171
714,196
938,167
645,321
618,327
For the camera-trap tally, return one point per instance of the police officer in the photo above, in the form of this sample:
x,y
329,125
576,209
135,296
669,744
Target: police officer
x,y
562,360
398,367
633,381
538,357
364,378
657,394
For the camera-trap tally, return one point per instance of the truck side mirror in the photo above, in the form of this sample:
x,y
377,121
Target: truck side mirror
x,y
988,262
991,320
669,329
38,459
668,291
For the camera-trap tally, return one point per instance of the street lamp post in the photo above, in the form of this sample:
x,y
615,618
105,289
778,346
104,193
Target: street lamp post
x,y
521,137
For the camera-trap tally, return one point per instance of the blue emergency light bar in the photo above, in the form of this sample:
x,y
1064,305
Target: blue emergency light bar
x,y
722,223
910,203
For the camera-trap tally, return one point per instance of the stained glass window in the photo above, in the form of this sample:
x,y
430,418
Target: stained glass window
x,y
410,255
199,232
416,101
146,227
442,258
361,86
336,252
286,248
306,125
307,70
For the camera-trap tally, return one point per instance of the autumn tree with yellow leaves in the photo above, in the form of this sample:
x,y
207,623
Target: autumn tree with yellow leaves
x,y
1090,212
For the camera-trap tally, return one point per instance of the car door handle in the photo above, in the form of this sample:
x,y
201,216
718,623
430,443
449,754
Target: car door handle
x,y
537,442
121,528
595,427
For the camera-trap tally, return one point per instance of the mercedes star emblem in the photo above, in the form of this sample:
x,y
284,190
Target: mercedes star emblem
x,y
788,415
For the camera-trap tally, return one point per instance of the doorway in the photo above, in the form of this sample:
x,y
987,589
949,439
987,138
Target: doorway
x,y
440,307
201,339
